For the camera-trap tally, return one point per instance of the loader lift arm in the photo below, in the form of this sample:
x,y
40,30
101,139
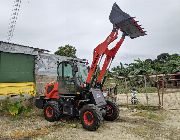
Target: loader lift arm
x,y
99,52
129,27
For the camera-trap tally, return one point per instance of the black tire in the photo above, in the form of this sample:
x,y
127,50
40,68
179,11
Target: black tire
x,y
52,111
91,117
112,111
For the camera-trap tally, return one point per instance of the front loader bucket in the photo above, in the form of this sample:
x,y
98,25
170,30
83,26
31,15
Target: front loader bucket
x,y
125,22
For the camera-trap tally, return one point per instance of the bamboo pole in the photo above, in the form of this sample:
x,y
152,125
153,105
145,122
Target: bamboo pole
x,y
145,85
162,98
125,81
158,90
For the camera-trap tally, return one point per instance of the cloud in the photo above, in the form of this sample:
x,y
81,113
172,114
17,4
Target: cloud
x,y
84,24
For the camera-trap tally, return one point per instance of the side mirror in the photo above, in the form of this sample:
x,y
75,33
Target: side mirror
x,y
75,68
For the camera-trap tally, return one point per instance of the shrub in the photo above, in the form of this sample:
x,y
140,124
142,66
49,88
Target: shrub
x,y
14,108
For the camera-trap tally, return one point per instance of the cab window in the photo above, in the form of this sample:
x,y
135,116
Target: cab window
x,y
60,70
68,71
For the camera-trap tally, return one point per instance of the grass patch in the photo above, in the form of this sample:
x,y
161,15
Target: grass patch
x,y
145,107
147,89
141,107
151,115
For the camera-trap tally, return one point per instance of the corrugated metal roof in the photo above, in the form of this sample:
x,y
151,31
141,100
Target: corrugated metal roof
x,y
16,48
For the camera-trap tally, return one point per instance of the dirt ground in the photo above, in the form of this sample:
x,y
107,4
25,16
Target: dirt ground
x,y
133,123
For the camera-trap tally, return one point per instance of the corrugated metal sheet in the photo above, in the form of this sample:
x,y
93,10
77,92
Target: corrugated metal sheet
x,y
14,48
46,64
17,88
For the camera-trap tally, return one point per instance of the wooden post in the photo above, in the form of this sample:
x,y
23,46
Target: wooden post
x,y
162,98
126,91
145,84
158,90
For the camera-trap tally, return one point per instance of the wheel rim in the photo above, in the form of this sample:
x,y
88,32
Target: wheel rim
x,y
109,110
88,118
49,112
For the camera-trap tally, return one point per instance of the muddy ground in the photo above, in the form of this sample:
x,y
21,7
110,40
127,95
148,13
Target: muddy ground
x,y
133,123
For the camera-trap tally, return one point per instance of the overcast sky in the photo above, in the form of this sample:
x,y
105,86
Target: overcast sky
x,y
48,24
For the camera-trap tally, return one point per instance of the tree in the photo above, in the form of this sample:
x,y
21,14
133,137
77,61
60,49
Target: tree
x,y
163,64
166,63
120,71
163,57
66,50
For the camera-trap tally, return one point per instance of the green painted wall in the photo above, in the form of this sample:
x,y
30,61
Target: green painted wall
x,y
16,67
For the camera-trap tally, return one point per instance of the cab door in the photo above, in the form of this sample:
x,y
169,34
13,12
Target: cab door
x,y
66,78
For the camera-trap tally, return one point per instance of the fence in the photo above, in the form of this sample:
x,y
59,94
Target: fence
x,y
153,90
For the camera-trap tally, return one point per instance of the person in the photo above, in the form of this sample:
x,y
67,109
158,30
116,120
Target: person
x,y
134,99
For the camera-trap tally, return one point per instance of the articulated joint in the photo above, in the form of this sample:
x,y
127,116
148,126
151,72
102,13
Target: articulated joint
x,y
124,35
115,28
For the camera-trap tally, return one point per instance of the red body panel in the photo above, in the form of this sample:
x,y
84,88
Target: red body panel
x,y
53,94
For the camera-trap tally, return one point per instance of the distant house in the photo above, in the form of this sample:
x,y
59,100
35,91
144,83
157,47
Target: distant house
x,y
174,80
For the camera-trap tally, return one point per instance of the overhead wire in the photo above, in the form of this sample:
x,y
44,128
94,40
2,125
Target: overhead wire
x,y
13,19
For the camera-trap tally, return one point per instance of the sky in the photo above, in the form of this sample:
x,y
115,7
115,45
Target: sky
x,y
48,24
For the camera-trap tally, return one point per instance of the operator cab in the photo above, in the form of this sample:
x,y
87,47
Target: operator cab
x,y
71,77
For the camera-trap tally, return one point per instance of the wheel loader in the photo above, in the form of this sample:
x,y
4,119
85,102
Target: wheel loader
x,y
78,89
